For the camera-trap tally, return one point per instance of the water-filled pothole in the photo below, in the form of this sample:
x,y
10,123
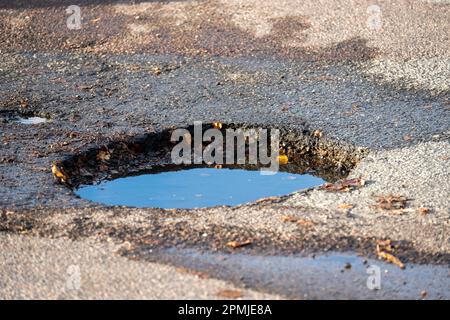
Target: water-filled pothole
x,y
195,188
140,172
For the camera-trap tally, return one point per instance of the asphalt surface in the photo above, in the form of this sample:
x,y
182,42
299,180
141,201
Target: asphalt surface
x,y
379,96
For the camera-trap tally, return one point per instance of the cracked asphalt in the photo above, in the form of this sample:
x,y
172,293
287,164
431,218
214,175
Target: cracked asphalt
x,y
381,94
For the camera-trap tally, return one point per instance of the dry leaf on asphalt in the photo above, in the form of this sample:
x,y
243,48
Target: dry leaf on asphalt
x,y
306,223
423,210
344,185
230,294
346,206
236,244
288,219
391,202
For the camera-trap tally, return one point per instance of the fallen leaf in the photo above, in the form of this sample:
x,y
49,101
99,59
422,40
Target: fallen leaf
x,y
384,245
217,125
156,71
73,135
288,219
345,206
344,185
423,210
383,249
391,259
58,172
407,137
423,294
236,244
267,199
103,155
230,294
318,134
283,159
306,223
391,202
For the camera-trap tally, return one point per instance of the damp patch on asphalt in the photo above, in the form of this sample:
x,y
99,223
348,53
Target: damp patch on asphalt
x,y
334,275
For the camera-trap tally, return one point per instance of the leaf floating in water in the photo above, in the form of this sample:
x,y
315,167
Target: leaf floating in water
x,y
283,159
236,244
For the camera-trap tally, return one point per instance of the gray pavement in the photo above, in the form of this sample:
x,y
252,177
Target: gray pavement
x,y
379,93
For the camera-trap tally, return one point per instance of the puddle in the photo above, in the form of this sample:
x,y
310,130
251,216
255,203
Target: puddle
x,y
334,275
195,188
30,120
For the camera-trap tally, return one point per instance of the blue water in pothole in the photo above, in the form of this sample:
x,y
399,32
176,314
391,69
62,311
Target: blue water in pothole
x,y
195,188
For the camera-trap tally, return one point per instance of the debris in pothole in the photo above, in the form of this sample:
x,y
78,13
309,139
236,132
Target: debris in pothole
x,y
103,155
237,244
346,185
58,172
217,125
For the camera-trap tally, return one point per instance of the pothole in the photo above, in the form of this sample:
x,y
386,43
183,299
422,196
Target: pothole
x,y
139,171
188,188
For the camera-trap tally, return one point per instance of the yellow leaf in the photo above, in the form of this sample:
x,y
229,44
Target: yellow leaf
x,y
391,259
217,125
58,172
282,159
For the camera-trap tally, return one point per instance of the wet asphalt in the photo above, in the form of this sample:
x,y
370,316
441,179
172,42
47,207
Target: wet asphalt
x,y
108,88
